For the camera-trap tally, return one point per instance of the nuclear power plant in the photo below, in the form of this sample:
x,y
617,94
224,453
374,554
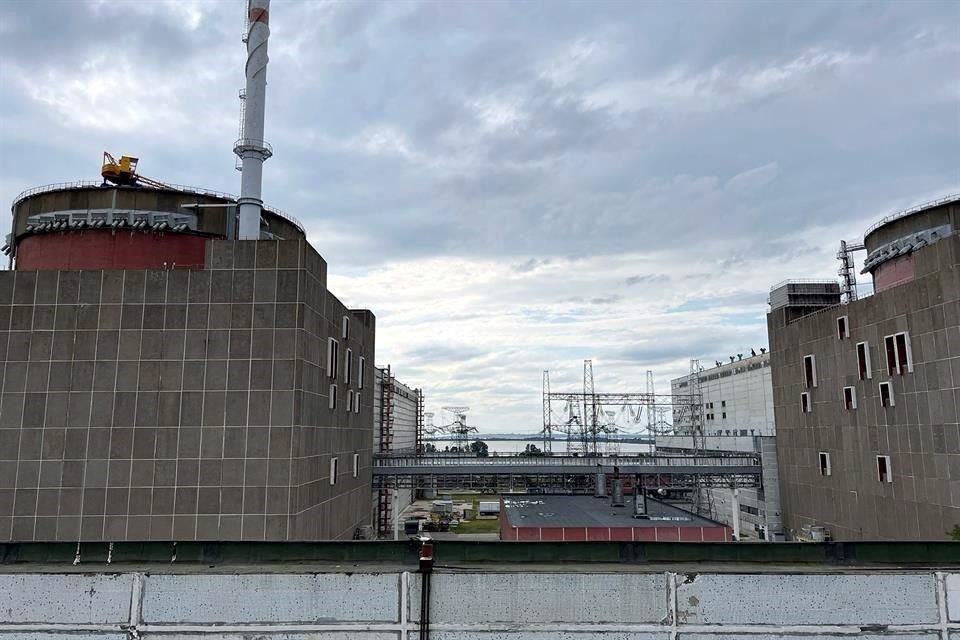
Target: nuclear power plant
x,y
175,366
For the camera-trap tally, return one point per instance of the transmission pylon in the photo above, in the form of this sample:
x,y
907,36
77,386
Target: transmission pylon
x,y
547,415
702,497
458,428
573,428
651,406
589,430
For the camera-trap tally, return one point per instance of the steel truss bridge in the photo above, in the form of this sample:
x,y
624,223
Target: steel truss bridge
x,y
655,471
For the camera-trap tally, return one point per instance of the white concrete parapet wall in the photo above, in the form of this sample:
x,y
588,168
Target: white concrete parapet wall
x,y
585,604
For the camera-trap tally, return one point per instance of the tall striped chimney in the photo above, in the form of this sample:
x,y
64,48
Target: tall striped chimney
x,y
251,148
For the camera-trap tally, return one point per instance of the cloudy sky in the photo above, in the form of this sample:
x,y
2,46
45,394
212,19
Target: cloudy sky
x,y
518,186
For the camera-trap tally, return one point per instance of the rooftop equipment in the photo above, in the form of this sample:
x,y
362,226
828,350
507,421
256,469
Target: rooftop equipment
x,y
124,172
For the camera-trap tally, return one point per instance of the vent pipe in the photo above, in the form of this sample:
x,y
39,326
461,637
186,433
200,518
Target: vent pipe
x,y
251,148
616,492
639,498
600,483
616,496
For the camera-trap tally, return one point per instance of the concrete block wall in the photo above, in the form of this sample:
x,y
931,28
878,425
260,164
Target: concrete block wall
x,y
181,405
491,605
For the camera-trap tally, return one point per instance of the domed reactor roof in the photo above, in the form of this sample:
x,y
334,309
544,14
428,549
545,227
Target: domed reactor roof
x,y
89,225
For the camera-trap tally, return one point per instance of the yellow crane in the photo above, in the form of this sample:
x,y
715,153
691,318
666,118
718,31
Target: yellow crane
x,y
124,172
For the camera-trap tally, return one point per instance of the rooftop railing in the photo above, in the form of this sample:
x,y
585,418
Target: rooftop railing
x,y
87,184
954,197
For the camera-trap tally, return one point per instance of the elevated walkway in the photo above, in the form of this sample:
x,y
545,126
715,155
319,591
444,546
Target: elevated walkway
x,y
677,470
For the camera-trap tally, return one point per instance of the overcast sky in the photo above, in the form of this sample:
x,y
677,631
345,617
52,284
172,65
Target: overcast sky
x,y
518,186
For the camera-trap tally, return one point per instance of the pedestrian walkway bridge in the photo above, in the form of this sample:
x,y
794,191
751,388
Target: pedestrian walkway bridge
x,y
657,470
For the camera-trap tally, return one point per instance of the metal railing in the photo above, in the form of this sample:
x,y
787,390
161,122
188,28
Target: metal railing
x,y
86,184
251,144
803,281
954,197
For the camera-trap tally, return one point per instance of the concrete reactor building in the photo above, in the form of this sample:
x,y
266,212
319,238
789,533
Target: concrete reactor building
x,y
175,367
866,391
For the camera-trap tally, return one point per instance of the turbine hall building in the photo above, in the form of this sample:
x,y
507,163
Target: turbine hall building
x,y
738,417
397,429
867,393
164,381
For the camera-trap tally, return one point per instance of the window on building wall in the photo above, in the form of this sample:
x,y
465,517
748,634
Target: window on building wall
x,y
356,402
863,361
899,353
333,357
334,469
805,402
810,371
886,395
724,415
825,469
884,470
723,403
843,328
348,367
361,371
356,465
333,396
345,327
850,398
349,404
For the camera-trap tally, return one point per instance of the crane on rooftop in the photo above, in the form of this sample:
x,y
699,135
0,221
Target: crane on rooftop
x,y
124,172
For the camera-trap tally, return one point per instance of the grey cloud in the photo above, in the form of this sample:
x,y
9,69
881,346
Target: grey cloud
x,y
529,265
714,133
568,177
594,300
443,353
647,278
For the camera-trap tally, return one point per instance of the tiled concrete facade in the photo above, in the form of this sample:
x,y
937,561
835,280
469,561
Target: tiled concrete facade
x,y
920,433
182,405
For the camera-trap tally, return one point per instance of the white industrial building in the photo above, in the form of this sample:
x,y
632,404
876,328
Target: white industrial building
x,y
737,416
737,398
397,420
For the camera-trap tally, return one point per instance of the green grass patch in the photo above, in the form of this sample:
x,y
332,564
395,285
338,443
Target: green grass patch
x,y
491,525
